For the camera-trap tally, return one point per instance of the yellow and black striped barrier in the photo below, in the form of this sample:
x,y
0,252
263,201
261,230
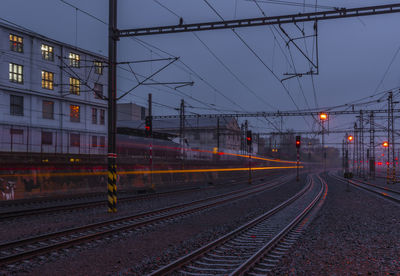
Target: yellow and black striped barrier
x,y
112,185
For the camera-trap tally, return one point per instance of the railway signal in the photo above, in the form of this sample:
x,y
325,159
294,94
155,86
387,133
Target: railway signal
x,y
249,137
298,143
350,138
385,144
148,126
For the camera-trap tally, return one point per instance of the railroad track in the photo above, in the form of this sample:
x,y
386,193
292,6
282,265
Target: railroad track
x,y
384,192
26,209
11,214
256,247
23,249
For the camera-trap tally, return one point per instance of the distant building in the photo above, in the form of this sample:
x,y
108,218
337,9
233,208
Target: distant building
x,y
52,95
131,112
205,133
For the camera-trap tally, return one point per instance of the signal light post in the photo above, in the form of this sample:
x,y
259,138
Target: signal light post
x,y
298,143
249,142
323,117
386,145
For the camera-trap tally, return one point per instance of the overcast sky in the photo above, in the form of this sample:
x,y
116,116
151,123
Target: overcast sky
x,y
354,53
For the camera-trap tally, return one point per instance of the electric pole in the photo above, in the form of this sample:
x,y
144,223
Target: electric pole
x,y
112,98
150,116
182,131
371,145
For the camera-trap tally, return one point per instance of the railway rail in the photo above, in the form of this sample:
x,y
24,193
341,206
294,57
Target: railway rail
x,y
256,247
23,249
384,192
81,201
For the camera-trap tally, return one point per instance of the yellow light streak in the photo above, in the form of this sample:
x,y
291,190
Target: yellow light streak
x,y
49,174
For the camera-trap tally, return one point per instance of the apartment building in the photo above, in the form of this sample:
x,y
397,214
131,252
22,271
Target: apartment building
x,y
52,95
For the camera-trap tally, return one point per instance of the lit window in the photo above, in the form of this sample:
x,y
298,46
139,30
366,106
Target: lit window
x,y
47,138
16,72
48,110
16,43
74,86
74,60
47,52
98,91
98,67
102,116
75,140
94,141
17,105
17,136
47,80
94,115
74,114
102,141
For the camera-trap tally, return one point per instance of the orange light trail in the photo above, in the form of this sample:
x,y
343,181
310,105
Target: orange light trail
x,y
149,172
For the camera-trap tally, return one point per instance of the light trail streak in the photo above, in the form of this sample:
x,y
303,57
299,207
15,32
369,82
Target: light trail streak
x,y
138,172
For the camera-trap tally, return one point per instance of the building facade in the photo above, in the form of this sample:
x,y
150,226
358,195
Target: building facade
x,y
52,95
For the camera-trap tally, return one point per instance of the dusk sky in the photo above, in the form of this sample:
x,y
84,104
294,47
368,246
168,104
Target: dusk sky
x,y
354,54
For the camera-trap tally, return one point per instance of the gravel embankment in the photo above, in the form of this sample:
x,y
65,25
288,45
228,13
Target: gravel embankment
x,y
143,251
355,233
39,224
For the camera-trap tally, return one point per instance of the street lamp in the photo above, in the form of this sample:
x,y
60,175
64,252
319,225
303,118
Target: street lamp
x,y
350,138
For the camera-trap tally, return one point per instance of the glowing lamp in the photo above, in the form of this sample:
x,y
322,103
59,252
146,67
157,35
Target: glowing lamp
x,y
350,138
323,116
385,144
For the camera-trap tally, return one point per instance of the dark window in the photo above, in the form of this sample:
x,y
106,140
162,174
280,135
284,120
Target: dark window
x,y
75,140
17,136
17,105
16,73
102,141
98,67
74,86
94,141
47,52
74,60
48,110
98,91
47,80
74,113
102,116
16,43
94,115
47,138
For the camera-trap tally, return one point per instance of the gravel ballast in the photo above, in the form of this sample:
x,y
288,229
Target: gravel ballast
x,y
355,233
145,250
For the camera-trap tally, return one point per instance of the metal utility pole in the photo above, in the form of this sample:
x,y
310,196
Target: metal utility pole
x,y
346,156
182,131
391,137
390,142
371,146
112,114
355,149
151,141
362,160
218,134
